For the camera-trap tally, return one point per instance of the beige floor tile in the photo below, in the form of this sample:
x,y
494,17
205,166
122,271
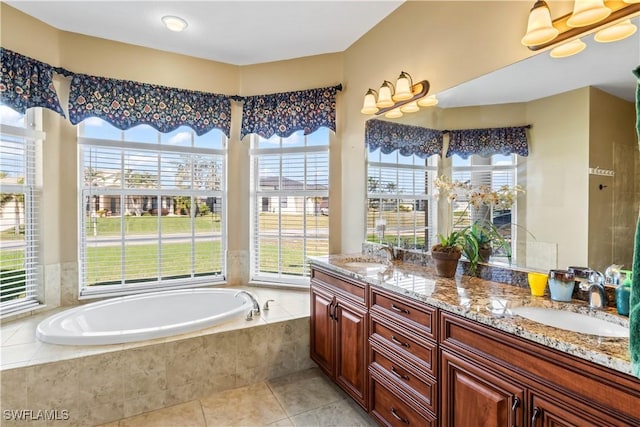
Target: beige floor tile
x,y
184,415
338,414
304,391
112,424
254,405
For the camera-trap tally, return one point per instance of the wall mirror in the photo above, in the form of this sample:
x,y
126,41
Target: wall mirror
x,y
582,174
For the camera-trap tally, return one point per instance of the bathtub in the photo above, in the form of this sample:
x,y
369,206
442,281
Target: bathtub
x,y
143,317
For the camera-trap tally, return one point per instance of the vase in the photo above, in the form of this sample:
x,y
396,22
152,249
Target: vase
x,y
446,263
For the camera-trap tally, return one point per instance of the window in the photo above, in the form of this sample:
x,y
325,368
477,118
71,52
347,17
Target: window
x,y
290,205
494,171
20,166
152,207
400,207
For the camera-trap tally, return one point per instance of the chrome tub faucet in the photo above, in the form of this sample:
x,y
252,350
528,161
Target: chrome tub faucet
x,y
256,307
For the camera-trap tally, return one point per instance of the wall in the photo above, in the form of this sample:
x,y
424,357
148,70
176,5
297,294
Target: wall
x,y
559,153
439,41
612,146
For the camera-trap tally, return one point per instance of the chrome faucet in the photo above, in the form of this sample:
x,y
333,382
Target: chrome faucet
x,y
254,302
393,254
597,296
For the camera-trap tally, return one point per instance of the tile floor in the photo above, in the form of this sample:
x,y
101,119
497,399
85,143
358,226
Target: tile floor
x,y
306,398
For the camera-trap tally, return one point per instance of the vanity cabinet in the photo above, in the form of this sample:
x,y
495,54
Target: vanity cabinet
x,y
491,378
403,354
339,331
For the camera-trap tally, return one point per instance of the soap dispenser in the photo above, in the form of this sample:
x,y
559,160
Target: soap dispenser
x,y
623,293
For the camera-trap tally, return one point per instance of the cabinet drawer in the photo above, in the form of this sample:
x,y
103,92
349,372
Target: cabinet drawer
x,y
420,352
353,290
390,408
420,386
420,318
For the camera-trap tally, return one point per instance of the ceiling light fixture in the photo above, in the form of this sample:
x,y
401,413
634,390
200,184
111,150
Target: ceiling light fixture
x,y
393,101
609,19
174,23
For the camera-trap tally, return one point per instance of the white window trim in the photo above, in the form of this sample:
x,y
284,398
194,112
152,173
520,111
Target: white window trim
x,y
96,291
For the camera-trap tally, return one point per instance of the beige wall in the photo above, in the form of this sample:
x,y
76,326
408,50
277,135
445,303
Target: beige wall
x,y
612,209
444,42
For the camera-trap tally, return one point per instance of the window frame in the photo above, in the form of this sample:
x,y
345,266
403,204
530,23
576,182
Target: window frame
x,y
257,202
126,287
33,138
430,169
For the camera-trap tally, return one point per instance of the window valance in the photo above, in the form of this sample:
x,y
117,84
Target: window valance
x,y
126,104
487,142
407,139
26,82
285,113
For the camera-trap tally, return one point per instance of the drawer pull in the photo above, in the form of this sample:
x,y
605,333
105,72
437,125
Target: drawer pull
x,y
514,409
398,309
536,414
398,417
400,343
395,372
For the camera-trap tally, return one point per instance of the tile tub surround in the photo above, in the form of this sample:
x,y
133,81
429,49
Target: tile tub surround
x,y
98,384
488,302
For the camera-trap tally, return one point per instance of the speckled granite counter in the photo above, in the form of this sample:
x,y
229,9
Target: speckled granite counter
x,y
489,303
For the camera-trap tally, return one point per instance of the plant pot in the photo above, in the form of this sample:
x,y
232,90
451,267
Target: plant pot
x,y
446,263
484,254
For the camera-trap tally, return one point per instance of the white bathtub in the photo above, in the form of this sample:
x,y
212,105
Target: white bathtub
x,y
142,317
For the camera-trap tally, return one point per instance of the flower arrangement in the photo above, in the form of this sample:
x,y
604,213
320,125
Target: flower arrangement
x,y
477,240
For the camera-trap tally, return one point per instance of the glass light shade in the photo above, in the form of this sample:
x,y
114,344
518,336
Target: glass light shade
x,y
631,1
568,49
384,96
411,107
403,88
539,28
394,114
428,101
616,32
369,104
174,23
587,12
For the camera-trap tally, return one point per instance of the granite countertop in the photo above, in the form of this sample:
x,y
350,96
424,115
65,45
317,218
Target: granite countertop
x,y
489,303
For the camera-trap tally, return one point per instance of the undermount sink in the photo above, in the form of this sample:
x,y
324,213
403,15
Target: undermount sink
x,y
365,265
571,321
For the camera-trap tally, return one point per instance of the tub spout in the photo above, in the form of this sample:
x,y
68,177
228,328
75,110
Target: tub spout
x,y
254,302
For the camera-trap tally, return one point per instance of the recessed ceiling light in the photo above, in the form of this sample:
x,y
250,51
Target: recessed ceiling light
x,y
174,23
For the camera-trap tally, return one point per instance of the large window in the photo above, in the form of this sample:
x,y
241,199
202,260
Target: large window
x,y
495,171
290,205
20,160
400,207
152,207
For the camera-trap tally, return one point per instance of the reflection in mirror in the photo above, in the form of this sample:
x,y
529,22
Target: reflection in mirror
x,y
581,177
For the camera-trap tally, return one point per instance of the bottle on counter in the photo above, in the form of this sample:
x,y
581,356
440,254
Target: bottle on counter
x,y
623,293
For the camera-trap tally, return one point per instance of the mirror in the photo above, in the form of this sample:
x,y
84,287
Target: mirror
x,y
582,175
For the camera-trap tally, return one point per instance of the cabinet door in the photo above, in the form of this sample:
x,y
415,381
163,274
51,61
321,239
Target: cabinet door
x,y
549,413
322,327
475,397
351,342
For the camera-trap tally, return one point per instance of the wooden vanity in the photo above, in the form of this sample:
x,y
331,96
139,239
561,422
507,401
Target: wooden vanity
x,y
408,362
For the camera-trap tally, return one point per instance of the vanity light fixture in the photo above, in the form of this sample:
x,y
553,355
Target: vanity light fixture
x,y
610,20
393,101
174,23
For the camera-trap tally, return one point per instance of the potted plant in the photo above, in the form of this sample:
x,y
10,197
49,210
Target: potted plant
x,y
481,240
446,254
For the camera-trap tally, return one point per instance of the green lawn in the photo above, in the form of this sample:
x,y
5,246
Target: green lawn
x,y
110,225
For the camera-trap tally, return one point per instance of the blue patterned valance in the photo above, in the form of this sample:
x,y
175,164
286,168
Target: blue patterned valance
x,y
126,104
26,82
407,139
285,113
487,142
